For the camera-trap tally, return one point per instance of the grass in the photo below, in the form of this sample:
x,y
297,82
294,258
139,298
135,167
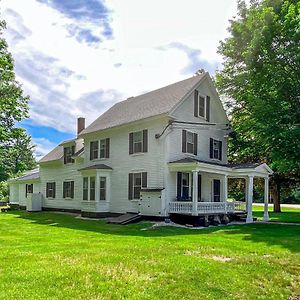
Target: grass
x,y
288,215
56,256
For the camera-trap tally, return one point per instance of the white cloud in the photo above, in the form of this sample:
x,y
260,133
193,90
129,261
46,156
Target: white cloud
x,y
43,146
67,77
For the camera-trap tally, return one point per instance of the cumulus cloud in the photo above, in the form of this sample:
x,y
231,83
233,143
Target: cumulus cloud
x,y
42,147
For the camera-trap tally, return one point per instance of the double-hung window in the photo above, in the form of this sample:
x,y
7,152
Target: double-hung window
x,y
136,182
102,188
85,188
94,148
215,149
138,141
68,153
28,189
68,189
189,142
202,106
50,190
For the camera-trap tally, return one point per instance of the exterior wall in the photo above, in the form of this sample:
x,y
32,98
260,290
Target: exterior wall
x,y
122,163
22,191
14,193
58,172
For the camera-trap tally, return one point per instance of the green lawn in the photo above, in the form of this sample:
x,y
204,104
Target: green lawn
x,y
55,256
291,215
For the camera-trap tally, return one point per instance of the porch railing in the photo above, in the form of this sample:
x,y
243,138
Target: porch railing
x,y
206,207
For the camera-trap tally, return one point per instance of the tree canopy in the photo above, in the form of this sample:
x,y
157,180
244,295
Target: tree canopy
x,y
260,79
15,145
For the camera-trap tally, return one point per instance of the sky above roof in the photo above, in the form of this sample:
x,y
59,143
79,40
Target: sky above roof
x,y
78,58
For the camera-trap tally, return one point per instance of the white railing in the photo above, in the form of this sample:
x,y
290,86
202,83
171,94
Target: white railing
x,y
180,207
206,207
239,206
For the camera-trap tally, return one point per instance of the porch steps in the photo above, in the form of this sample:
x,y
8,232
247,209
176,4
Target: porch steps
x,y
124,219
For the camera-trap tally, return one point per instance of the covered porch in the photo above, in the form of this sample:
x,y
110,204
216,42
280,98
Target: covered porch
x,y
202,188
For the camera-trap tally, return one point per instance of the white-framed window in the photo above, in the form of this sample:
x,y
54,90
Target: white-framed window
x,y
185,185
137,185
50,189
28,189
190,142
136,181
68,153
103,148
68,189
94,148
85,188
137,141
92,188
215,149
202,106
102,187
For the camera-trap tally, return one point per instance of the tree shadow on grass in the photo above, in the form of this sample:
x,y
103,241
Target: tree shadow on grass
x,y
286,236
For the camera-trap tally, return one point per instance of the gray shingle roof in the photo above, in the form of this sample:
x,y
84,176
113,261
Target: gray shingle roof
x,y
29,175
151,104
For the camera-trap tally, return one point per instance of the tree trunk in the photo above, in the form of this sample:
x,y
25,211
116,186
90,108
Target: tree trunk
x,y
275,194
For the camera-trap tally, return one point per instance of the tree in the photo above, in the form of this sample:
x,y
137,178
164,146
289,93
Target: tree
x,y
261,80
15,145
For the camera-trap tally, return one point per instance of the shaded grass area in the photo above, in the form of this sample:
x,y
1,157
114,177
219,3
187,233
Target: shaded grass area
x,y
287,215
55,256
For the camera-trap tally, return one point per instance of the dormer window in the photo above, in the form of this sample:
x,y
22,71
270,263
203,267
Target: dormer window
x,y
68,153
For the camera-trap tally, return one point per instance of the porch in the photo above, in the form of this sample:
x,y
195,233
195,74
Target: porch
x,y
202,188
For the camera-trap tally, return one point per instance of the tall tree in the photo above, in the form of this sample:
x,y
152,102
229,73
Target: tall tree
x,y
15,145
261,80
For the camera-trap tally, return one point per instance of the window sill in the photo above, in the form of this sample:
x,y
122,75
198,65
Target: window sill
x,y
98,159
137,154
68,198
135,200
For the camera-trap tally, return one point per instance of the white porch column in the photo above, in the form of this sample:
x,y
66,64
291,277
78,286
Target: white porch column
x,y
246,192
250,199
195,193
225,188
266,200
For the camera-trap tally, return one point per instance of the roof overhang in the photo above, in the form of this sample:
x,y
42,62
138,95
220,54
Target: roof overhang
x,y
261,170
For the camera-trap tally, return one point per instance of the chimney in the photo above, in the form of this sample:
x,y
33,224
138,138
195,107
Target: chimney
x,y
80,124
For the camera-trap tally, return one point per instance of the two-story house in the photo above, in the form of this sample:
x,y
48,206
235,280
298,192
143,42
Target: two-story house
x,y
157,154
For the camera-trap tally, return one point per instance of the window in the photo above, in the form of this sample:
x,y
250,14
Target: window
x,y
215,149
68,153
94,146
135,183
189,142
104,148
85,188
28,189
102,188
201,107
185,185
92,188
138,141
50,190
68,189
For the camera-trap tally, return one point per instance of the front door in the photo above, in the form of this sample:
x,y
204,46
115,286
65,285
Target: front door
x,y
216,190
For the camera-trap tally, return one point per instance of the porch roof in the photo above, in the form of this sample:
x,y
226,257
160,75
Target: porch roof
x,y
94,167
234,170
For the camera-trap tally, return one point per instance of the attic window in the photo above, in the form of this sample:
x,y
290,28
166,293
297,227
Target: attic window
x,y
68,153
202,107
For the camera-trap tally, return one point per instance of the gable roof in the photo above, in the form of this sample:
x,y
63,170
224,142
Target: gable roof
x,y
151,104
28,176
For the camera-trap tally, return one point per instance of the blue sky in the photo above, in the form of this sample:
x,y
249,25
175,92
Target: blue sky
x,y
77,58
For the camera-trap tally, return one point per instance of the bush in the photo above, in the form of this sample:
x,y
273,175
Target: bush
x,y
4,193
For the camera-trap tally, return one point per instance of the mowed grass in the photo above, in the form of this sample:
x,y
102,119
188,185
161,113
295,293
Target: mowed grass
x,y
287,215
56,256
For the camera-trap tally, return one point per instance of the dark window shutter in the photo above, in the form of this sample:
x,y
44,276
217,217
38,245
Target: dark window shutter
x,y
220,150
107,148
211,148
144,179
64,189
72,189
196,113
131,143
91,150
130,186
47,190
54,189
207,108
199,187
184,141
179,183
145,140
195,143
73,152
65,155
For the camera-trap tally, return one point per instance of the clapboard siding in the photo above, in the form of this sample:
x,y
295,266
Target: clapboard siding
x,y
122,163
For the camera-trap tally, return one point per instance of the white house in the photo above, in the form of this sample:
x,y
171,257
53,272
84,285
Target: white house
x,y
160,153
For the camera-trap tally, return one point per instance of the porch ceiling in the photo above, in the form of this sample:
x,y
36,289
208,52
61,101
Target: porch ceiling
x,y
231,170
